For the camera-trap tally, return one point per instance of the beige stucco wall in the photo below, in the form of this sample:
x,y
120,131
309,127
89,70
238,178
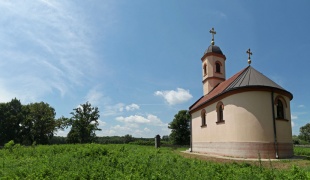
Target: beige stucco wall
x,y
284,127
248,118
210,62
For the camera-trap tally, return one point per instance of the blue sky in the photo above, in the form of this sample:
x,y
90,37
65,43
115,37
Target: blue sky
x,y
139,61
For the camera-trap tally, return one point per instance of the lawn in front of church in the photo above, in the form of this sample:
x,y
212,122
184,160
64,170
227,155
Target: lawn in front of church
x,y
123,161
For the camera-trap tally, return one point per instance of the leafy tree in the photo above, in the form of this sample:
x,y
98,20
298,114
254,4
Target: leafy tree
x,y
180,131
165,138
11,117
305,132
40,124
58,140
26,124
62,123
84,122
128,138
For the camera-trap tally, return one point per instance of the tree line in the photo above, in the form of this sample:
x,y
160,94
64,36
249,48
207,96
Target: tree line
x,y
126,139
35,123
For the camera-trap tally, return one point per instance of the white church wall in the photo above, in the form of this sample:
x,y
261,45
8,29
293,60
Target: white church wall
x,y
241,114
247,130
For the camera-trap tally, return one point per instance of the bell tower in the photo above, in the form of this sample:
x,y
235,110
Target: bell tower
x,y
213,66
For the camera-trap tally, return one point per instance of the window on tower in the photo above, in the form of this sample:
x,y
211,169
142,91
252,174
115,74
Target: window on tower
x,y
217,67
204,69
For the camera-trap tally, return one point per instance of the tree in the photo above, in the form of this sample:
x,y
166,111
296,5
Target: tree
x,y
128,138
180,132
165,138
25,124
11,117
84,122
40,124
305,132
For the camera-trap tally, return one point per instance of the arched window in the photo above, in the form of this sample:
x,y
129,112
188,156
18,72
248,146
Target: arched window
x,y
281,105
203,118
204,69
280,109
217,67
219,110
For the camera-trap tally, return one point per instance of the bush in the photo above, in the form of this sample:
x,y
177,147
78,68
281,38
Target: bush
x,y
9,145
143,143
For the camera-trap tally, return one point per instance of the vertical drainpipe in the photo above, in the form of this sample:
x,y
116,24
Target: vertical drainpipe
x,y
191,147
274,125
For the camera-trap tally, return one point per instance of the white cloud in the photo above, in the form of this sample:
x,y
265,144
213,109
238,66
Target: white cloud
x,y
132,107
175,97
61,133
146,130
293,117
117,109
101,123
94,97
121,130
121,109
112,110
149,119
301,106
46,47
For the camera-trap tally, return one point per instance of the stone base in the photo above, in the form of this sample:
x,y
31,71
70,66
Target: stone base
x,y
244,149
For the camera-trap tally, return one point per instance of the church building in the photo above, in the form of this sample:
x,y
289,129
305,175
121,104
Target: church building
x,y
246,116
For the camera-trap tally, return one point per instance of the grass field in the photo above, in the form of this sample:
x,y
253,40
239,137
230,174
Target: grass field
x,y
95,161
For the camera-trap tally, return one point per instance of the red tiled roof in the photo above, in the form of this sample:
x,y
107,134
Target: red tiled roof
x,y
217,90
245,78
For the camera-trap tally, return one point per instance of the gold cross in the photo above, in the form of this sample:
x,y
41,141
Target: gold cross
x,y
250,53
212,32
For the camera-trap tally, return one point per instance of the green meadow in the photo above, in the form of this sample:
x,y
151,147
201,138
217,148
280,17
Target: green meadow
x,y
97,161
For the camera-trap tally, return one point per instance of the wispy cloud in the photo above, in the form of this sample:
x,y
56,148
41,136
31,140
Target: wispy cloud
x,y
94,96
44,48
149,119
117,109
134,131
292,123
175,97
132,107
294,117
113,110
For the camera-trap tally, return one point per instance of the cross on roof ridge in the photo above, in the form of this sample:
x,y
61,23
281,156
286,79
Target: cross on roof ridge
x,y
250,53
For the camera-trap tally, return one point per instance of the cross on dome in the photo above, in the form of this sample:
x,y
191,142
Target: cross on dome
x,y
212,32
250,53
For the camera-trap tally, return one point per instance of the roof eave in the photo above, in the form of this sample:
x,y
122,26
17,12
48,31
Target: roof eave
x,y
213,54
242,89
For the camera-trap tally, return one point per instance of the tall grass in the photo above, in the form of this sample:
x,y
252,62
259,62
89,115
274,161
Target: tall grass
x,y
94,161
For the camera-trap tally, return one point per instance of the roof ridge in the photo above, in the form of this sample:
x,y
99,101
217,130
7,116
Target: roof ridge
x,y
249,76
233,83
